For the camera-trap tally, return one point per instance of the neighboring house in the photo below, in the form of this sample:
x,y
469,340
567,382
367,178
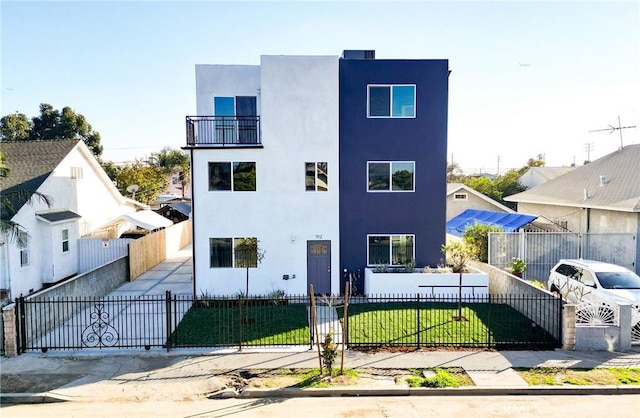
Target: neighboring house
x,y
176,212
83,200
332,164
536,176
602,196
461,197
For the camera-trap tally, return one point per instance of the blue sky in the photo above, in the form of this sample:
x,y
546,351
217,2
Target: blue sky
x,y
527,78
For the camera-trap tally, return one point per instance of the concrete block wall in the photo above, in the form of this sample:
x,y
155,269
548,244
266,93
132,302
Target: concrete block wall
x,y
545,314
605,337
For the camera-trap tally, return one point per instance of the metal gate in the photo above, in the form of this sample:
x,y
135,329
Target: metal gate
x,y
542,250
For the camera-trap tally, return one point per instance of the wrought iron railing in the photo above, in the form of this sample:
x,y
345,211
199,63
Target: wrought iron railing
x,y
223,131
385,320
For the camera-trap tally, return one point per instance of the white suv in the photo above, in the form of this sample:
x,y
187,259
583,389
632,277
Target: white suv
x,y
599,284
578,280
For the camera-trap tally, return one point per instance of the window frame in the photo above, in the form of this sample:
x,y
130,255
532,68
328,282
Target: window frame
x,y
390,237
391,99
65,240
390,178
232,176
316,176
460,196
232,250
25,257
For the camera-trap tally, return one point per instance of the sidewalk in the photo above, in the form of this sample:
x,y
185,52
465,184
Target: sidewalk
x,y
192,374
183,374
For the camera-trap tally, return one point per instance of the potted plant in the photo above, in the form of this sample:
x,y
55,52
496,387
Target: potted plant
x,y
517,266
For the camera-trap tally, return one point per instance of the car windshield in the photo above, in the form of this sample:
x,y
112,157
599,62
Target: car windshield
x,y
619,280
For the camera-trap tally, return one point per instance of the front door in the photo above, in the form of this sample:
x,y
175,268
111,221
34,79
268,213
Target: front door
x,y
319,266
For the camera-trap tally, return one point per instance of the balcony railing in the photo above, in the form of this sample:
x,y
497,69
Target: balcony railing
x,y
223,130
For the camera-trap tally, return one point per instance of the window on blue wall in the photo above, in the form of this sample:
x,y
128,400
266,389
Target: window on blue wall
x,y
391,101
232,176
391,176
390,249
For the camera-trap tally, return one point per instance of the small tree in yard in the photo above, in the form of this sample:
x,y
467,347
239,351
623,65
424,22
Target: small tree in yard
x,y
458,255
248,254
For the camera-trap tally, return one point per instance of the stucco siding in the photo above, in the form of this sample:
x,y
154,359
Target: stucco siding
x,y
298,109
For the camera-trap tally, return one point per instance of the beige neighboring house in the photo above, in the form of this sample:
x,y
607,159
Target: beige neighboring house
x,y
536,176
461,197
600,197
84,199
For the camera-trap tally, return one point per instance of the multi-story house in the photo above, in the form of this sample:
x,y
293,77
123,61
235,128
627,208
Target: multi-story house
x,y
330,163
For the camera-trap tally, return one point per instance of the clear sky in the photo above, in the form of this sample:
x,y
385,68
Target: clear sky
x,y
528,78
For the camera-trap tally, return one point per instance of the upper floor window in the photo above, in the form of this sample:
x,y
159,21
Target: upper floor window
x,y
391,176
391,101
460,196
394,250
316,176
232,176
65,240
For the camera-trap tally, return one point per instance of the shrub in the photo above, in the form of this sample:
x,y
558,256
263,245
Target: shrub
x,y
478,237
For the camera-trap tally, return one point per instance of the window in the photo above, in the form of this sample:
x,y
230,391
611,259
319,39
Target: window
x,y
24,257
233,252
390,249
460,196
76,172
232,176
65,240
391,101
316,177
394,176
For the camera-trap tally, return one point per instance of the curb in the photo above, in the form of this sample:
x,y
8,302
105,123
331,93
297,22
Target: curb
x,y
463,391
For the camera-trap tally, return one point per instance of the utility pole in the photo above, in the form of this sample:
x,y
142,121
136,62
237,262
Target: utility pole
x,y
588,147
498,165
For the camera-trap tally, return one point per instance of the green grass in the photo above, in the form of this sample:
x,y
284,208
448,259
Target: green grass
x,y
400,323
221,325
553,376
442,379
370,324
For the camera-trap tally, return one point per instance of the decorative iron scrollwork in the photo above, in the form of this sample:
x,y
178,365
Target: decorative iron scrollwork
x,y
100,333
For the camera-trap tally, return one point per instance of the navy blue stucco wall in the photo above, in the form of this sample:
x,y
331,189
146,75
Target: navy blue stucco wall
x,y
422,139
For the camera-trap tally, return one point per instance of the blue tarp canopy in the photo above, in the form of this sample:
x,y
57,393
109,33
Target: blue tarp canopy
x,y
509,222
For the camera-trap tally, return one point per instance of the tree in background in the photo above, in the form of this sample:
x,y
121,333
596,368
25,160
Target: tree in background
x,y
151,181
9,201
477,237
173,161
50,124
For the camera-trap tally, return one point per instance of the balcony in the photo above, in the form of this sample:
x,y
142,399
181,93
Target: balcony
x,y
223,131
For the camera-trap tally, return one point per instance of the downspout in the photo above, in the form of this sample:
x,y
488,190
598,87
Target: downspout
x,y
193,223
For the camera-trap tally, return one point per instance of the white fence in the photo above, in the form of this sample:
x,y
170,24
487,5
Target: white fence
x,y
542,250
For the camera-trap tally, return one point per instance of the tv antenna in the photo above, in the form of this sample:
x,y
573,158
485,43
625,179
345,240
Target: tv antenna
x,y
612,128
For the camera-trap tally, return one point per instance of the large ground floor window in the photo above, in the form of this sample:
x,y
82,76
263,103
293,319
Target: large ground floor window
x,y
233,252
395,250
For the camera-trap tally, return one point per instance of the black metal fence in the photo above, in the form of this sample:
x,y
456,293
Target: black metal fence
x,y
181,321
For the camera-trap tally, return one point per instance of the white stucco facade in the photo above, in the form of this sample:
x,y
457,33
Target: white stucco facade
x,y
91,195
297,102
